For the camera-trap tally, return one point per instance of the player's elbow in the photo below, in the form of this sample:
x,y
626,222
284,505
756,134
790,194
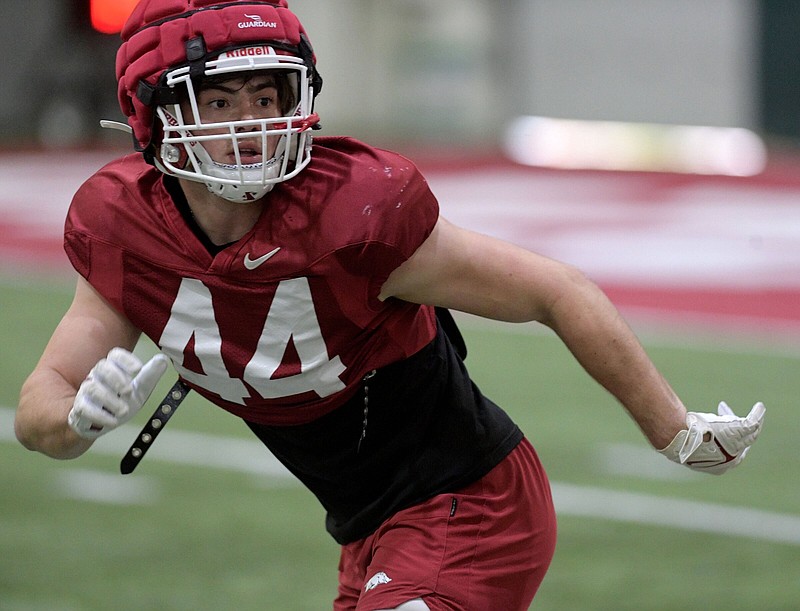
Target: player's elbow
x,y
21,434
572,294
26,431
535,288
23,423
52,443
40,427
26,436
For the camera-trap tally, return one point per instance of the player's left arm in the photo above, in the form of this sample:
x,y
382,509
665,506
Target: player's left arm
x,y
474,273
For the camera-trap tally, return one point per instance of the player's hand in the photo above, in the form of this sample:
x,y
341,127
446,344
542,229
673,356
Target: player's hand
x,y
714,443
113,392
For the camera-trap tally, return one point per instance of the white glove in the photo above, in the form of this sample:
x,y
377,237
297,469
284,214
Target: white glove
x,y
715,443
113,392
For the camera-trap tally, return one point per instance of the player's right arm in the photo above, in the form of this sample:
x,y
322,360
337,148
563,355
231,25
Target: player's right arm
x,y
90,328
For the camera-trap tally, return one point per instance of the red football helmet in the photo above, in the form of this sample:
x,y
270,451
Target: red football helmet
x,y
171,46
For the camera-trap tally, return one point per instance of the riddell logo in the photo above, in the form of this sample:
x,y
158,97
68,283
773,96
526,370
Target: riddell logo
x,y
256,21
250,52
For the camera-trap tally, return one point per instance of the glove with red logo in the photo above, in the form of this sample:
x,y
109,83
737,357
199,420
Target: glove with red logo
x,y
714,443
113,392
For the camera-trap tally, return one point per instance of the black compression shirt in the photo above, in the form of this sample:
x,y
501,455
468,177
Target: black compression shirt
x,y
427,430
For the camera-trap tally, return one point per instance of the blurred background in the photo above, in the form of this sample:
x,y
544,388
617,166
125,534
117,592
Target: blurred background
x,y
654,90
453,71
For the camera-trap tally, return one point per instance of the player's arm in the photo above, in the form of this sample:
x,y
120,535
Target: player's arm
x,y
473,273
466,271
89,330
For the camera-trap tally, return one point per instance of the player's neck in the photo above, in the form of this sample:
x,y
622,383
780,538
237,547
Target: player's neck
x,y
222,221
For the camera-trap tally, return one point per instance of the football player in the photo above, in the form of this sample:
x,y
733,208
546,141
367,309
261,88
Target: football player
x,y
296,284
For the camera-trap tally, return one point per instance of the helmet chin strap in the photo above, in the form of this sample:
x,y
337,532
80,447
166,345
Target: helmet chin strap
x,y
238,194
246,175
256,179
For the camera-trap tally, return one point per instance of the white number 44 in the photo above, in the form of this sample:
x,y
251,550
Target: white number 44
x,y
291,318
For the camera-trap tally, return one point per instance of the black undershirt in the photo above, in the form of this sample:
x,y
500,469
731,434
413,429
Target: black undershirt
x,y
174,189
428,430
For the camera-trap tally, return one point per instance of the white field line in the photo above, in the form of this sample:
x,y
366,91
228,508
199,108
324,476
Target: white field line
x,y
182,447
250,457
108,488
588,502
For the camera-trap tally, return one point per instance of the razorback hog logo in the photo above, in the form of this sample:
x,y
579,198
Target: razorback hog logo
x,y
376,580
256,21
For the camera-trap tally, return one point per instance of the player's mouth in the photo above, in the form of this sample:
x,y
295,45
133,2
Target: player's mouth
x,y
248,155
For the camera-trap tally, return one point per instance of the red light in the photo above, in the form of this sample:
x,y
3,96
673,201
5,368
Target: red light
x,y
108,16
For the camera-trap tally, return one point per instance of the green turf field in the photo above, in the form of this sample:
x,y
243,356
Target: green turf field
x,y
77,536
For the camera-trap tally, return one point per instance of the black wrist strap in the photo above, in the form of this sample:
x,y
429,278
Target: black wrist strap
x,y
153,427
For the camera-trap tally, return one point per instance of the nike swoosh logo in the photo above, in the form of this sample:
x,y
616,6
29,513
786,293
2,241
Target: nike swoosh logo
x,y
252,264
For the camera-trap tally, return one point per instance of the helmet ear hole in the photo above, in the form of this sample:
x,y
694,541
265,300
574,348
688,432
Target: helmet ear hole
x,y
170,153
173,156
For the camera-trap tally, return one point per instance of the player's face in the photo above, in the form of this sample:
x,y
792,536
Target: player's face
x,y
254,96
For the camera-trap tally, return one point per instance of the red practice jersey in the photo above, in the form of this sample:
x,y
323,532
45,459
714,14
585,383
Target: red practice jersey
x,y
366,402
279,327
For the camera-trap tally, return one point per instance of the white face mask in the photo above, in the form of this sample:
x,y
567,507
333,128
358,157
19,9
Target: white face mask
x,y
186,141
